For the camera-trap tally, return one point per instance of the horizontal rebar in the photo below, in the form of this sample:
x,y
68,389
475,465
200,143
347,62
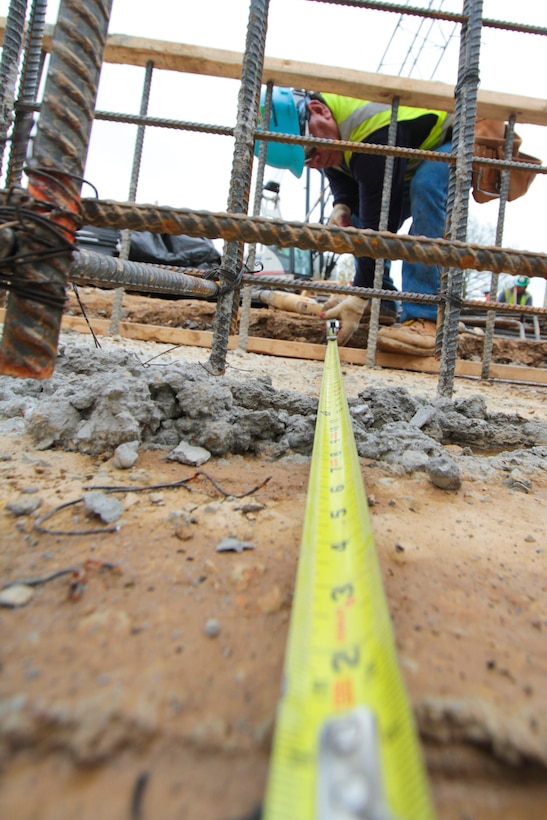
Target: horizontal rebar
x,y
307,142
374,244
447,16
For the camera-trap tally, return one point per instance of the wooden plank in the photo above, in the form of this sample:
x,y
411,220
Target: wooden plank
x,y
302,350
190,59
305,350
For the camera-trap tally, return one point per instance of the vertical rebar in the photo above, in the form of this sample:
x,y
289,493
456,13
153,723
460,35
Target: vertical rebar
x,y
125,245
464,133
31,329
379,265
238,199
504,191
9,67
257,204
28,92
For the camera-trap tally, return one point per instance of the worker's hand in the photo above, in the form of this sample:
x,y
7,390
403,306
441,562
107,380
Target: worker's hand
x,y
349,311
341,216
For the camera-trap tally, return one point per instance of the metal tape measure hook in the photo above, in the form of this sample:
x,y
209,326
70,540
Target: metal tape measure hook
x,y
333,325
349,778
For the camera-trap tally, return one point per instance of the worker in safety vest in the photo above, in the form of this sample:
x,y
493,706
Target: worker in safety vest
x,y
419,190
517,295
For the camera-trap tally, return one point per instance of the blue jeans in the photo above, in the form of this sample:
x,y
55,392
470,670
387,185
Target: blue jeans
x,y
425,202
387,305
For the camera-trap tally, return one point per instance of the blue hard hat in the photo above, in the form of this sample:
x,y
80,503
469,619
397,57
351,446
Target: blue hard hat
x,y
286,118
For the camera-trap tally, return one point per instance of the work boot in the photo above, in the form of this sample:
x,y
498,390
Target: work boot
x,y
416,337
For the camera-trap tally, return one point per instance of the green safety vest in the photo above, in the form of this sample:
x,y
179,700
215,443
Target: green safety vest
x,y
357,119
510,297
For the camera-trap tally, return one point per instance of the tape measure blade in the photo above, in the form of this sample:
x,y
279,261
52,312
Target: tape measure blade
x,y
341,651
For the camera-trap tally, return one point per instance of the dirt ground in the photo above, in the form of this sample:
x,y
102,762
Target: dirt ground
x,y
120,700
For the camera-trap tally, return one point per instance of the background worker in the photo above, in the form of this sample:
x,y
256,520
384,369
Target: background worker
x,y
517,295
419,190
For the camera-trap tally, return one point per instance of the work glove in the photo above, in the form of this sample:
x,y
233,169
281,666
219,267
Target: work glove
x,y
349,312
333,300
341,216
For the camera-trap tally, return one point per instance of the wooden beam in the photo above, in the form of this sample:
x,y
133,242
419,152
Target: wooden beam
x,y
303,350
190,59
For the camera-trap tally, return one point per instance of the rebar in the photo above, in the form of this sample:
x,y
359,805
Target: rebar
x,y
504,190
245,312
240,183
125,245
89,268
466,108
453,17
31,329
28,90
9,62
382,225
311,236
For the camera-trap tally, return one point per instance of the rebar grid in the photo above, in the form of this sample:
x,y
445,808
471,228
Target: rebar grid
x,y
236,228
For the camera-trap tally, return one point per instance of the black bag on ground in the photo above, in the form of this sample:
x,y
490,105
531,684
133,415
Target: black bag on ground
x,y
178,251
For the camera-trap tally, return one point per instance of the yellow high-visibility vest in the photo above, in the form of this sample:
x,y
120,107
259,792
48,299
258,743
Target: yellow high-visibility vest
x,y
357,119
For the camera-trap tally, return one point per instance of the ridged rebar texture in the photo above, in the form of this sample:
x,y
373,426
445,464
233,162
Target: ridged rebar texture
x,y
382,225
31,329
89,268
125,245
242,166
9,64
504,192
309,236
245,313
28,91
435,15
466,109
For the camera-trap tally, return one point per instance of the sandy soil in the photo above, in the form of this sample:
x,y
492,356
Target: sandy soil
x,y
116,703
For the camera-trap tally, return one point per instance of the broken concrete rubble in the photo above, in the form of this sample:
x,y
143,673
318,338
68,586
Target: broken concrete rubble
x,y
97,401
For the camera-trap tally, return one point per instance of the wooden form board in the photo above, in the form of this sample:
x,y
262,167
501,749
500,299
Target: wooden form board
x,y
211,62
303,350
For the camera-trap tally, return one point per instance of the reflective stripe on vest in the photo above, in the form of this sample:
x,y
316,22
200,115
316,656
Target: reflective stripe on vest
x,y
357,119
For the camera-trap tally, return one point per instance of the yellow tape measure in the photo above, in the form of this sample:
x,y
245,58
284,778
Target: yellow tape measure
x,y
345,744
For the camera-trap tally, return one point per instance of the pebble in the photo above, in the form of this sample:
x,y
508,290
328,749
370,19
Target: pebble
x,y
212,628
187,453
443,472
126,455
24,504
16,595
234,545
108,509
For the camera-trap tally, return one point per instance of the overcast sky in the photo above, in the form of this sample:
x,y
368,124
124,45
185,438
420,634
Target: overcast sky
x,y
190,170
